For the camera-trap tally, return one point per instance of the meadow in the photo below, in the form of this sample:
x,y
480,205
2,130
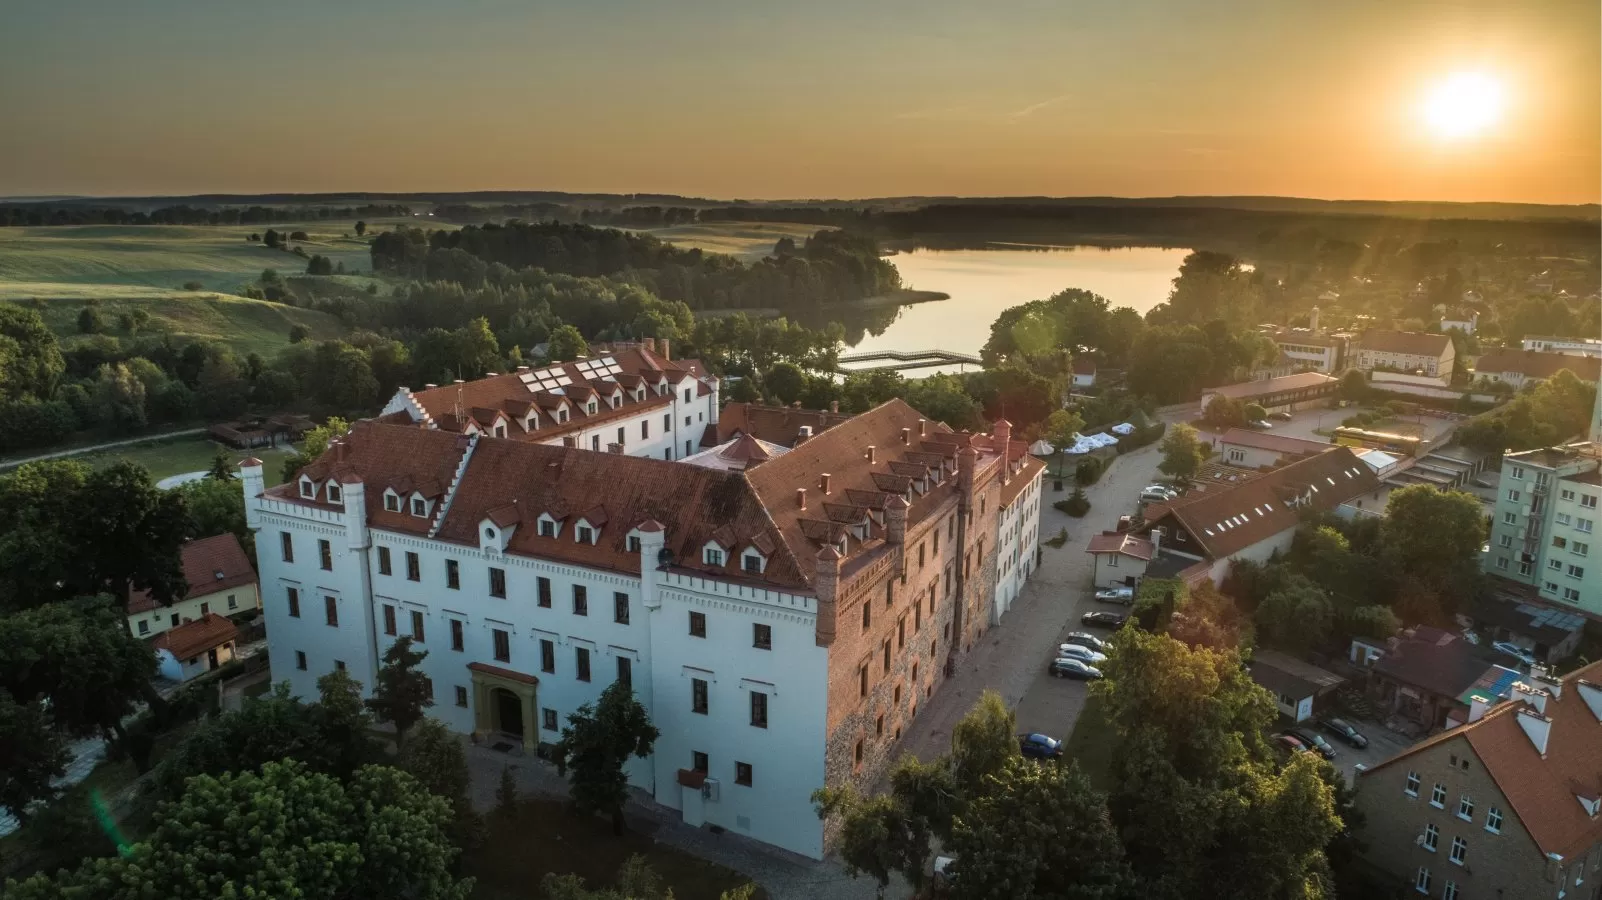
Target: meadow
x,y
747,241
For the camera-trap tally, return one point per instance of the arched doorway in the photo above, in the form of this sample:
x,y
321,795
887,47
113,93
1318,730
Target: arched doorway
x,y
504,704
508,713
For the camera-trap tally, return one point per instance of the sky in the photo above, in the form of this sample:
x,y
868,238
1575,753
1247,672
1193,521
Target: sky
x,y
810,99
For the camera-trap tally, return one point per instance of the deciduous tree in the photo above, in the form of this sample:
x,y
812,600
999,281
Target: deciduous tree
x,y
402,691
1432,535
597,741
566,344
1182,452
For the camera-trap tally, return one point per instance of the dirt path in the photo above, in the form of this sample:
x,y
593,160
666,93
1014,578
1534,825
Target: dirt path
x,y
93,448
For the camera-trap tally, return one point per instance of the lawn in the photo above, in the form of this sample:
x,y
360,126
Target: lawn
x,y
1091,744
547,838
249,326
187,454
749,241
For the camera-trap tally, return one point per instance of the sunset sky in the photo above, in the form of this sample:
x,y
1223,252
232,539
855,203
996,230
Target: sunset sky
x,y
823,98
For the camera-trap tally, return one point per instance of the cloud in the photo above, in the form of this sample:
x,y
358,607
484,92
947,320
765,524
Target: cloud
x,y
944,112
1031,109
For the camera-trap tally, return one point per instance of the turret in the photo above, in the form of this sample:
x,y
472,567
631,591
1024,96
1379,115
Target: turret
x,y
252,484
653,541
354,493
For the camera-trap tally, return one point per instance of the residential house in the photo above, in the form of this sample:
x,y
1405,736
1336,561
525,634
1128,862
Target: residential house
x,y
1544,524
1464,320
1427,678
1252,449
220,580
1565,345
1084,373
1119,558
1296,685
1257,517
782,622
1303,390
195,647
1017,526
1308,349
1414,352
1517,368
1505,806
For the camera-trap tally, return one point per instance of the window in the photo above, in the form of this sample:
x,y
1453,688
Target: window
x,y
331,610
857,752
286,546
1432,837
714,556
414,569
391,502
333,493
1566,494
885,650
620,437
667,423
585,535
1555,564
389,619
698,696
1501,562
1510,518
917,616
1576,572
1583,525
901,633
503,645
497,582
742,774
1563,519
1422,883
645,429
1580,549
545,592
383,561
453,575
751,563
867,616
456,634
1449,891
595,439
878,726
634,543
1588,501
294,603
1525,568
307,488
325,555
419,507
1513,496
1518,473
1459,850
625,671
759,709
1550,587
428,688
936,550
1465,808
1412,785
581,600
697,624
582,661
300,660
144,626
1438,795
620,608
547,528
699,762
417,626
862,680
762,636
1506,541
548,719
1571,594
461,696
547,656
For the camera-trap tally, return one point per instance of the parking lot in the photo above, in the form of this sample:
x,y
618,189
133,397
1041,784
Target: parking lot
x,y
1306,423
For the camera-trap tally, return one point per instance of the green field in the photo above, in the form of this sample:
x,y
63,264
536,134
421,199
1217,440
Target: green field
x,y
177,456
749,241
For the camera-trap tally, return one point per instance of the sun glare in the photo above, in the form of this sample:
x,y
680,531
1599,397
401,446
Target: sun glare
x,y
1463,105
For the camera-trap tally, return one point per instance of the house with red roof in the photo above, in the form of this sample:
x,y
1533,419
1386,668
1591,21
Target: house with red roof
x,y
195,647
220,580
1507,804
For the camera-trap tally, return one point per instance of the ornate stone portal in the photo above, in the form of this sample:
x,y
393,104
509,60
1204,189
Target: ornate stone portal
x,y
504,704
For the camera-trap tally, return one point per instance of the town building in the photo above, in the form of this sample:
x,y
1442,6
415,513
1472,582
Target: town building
x,y
1296,685
1252,449
1120,559
1464,320
1514,613
1565,345
782,425
219,578
1303,390
1426,678
1309,349
1408,352
1084,374
1256,518
782,621
1507,805
195,647
1544,524
1517,368
631,400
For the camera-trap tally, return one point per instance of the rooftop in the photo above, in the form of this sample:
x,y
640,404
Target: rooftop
x,y
1535,364
194,638
1125,544
1250,389
210,564
736,455
774,424
1290,676
1409,343
1440,662
1265,440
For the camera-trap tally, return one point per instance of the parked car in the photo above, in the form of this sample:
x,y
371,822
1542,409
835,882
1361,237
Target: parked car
x,y
1038,746
1289,744
1514,650
1068,667
1085,639
1102,619
1122,595
1281,415
1262,424
1313,740
1150,496
1074,651
1344,730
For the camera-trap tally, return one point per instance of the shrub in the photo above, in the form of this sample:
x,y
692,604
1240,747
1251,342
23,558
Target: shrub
x,y
1076,505
1059,540
1088,472
194,286
298,333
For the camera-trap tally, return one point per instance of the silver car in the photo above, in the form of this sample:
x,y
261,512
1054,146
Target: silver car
x,y
1083,654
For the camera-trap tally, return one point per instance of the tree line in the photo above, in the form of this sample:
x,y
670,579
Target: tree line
x,y
38,214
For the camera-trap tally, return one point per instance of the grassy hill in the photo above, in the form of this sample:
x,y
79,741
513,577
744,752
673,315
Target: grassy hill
x,y
748,241
249,326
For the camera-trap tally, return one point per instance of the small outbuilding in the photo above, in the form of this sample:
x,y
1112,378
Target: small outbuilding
x,y
195,648
1295,684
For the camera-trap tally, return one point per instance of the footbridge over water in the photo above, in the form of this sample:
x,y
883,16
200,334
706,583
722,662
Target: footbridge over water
x,y
906,359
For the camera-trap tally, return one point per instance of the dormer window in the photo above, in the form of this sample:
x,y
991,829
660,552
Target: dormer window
x,y
489,534
308,488
639,395
547,526
561,416
591,407
333,493
634,543
500,431
585,534
419,506
391,501
712,556
751,562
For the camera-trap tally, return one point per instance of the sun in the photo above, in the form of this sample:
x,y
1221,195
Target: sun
x,y
1464,105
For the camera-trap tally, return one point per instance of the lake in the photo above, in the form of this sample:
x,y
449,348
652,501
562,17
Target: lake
x,y
982,283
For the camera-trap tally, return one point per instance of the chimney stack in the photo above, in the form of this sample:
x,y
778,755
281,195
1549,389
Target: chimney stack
x,y
650,344
569,441
834,406
615,447
1530,694
1002,432
522,368
826,585
895,520
1537,728
803,434
800,498
430,386
1478,706
491,374
823,483
1156,541
906,435
871,448
666,350
339,450
1312,321
923,430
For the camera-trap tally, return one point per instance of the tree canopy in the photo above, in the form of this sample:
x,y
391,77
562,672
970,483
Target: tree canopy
x,y
597,741
1182,451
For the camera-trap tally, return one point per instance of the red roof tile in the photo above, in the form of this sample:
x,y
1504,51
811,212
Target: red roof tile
x,y
194,638
210,565
1279,443
1126,544
775,424
1410,343
1531,364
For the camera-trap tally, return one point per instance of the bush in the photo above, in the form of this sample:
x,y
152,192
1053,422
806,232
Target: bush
x,y
90,321
298,333
1059,540
1076,505
194,286
1088,472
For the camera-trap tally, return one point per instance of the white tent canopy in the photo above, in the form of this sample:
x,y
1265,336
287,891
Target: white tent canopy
x,y
1041,448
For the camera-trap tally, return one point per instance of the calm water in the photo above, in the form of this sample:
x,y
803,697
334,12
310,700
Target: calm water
x,y
982,283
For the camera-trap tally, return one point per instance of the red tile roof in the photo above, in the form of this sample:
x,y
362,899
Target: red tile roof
x,y
1231,519
1532,364
1126,544
1410,343
1027,470
1279,443
210,564
194,638
404,458
774,424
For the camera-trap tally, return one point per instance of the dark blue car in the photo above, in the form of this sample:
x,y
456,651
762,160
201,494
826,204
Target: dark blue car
x,y
1038,746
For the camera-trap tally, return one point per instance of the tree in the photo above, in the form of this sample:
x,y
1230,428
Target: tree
x,y
566,344
1182,452
90,321
434,756
299,236
1223,412
636,880
1433,535
319,265
1354,386
1255,413
596,743
30,356
222,468
32,756
1060,428
314,444
784,382
361,228
217,507
119,398
506,796
1295,616
944,398
272,239
983,742
1037,832
282,832
402,691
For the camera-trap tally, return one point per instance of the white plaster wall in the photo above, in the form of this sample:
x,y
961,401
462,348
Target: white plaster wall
x,y
1248,457
1257,553
188,609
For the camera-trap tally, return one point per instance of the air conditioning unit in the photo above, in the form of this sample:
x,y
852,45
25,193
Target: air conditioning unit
x,y
709,790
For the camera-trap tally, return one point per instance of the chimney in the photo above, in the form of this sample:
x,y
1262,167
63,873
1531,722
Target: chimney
x,y
1001,432
458,381
795,404
923,430
339,450
1312,321
666,350
614,447
491,374
522,368
1592,695
1156,541
906,435
569,441
1546,682
895,520
1534,696
827,586
800,498
1478,706
1537,728
823,483
803,434
430,386
870,454
834,406
650,344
